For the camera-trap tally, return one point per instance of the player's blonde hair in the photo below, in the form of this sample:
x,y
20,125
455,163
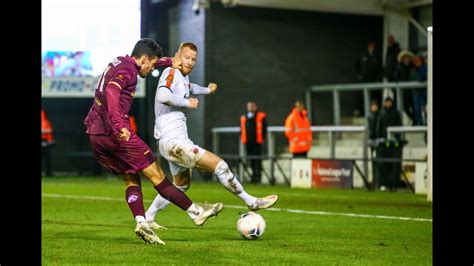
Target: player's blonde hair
x,y
190,45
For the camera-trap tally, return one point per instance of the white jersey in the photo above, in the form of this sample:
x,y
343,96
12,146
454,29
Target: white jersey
x,y
171,104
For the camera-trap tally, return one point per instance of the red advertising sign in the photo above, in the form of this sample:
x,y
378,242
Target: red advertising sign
x,y
332,173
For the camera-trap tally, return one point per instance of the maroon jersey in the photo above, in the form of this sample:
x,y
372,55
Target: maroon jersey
x,y
113,98
114,95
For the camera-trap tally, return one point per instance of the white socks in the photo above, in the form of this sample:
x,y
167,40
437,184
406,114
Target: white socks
x,y
139,218
159,203
231,183
227,179
194,211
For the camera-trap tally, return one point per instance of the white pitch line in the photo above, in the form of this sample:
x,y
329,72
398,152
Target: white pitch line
x,y
272,209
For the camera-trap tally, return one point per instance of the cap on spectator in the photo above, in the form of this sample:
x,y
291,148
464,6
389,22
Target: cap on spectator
x,y
404,53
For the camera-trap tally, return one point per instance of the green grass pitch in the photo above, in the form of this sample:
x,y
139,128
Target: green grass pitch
x,y
86,221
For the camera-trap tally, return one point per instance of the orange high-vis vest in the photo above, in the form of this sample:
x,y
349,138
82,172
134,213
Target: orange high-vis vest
x,y
298,131
46,128
259,127
133,124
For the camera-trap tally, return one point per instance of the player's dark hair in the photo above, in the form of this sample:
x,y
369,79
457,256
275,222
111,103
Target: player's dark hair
x,y
148,47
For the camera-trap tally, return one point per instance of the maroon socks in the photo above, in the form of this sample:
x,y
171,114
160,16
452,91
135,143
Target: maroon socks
x,y
134,198
168,191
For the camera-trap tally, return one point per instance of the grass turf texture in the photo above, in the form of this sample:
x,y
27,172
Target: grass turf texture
x,y
97,231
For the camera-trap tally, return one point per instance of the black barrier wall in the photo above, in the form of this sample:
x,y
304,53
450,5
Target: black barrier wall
x,y
272,56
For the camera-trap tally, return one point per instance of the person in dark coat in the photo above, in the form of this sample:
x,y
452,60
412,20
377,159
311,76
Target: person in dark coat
x,y
389,116
405,71
389,171
372,121
393,48
369,66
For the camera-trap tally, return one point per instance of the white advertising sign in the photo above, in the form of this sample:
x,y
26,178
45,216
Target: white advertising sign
x,y
77,87
301,176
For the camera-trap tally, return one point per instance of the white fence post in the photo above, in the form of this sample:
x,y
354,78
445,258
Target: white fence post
x,y
430,113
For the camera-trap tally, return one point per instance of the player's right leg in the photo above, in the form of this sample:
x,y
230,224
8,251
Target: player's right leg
x,y
104,148
182,180
214,164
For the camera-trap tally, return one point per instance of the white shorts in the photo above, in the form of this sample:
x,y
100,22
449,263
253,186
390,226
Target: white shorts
x,y
181,154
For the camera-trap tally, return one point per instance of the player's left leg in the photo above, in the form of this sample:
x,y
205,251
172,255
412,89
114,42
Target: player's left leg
x,y
214,164
182,180
134,197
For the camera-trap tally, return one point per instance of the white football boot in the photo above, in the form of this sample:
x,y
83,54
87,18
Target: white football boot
x,y
208,212
155,226
144,231
264,203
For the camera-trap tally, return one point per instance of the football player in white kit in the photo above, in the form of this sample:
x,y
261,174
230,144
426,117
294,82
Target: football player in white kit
x,y
171,103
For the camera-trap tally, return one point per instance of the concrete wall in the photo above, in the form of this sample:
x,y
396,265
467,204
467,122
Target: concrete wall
x,y
272,56
186,26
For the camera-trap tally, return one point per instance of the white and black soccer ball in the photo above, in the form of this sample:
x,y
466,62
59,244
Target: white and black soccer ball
x,y
251,225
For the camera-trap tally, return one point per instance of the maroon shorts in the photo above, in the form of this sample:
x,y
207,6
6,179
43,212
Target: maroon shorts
x,y
119,156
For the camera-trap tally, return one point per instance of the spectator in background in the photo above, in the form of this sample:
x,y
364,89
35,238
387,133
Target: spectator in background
x,y
253,129
47,142
369,67
388,116
372,121
298,131
388,173
393,48
419,94
406,72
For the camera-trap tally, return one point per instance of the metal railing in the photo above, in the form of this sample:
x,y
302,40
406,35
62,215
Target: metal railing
x,y
331,130
365,87
411,129
272,130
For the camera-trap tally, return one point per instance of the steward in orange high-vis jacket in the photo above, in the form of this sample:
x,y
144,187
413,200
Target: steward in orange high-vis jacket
x,y
253,129
46,144
298,131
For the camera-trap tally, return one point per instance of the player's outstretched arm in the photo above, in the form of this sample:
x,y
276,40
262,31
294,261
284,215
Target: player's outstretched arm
x,y
173,62
197,89
165,96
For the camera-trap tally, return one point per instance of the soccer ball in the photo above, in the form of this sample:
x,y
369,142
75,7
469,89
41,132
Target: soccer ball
x,y
251,225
